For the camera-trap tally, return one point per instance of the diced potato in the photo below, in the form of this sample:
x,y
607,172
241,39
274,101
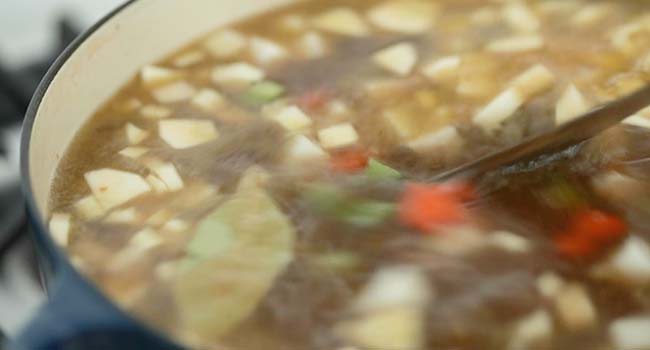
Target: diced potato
x,y
167,270
404,16
520,17
155,112
176,225
341,20
292,118
534,328
395,286
572,104
129,105
152,76
60,228
575,308
189,59
266,51
443,69
135,135
186,133
447,137
167,173
550,285
396,328
89,208
160,217
637,120
208,100
517,44
617,187
501,108
339,135
157,184
293,23
124,216
631,333
134,152
629,264
237,74
510,242
225,44
253,178
485,16
113,188
138,245
174,92
398,59
304,149
458,241
591,14
312,45
624,37
534,81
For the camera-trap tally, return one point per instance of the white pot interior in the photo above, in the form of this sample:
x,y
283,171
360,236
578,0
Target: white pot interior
x,y
144,32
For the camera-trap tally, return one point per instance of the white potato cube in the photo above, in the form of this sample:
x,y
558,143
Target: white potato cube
x,y
631,333
396,328
341,20
225,44
208,100
135,135
395,286
186,133
175,92
550,285
534,328
129,105
113,188
520,17
499,110
629,264
533,81
638,121
575,308
293,23
157,184
591,14
304,149
237,74
266,51
443,69
339,135
138,245
510,242
292,118
89,208
447,138
134,152
312,45
167,173
155,112
176,225
517,44
124,216
155,76
572,104
404,16
398,59
60,228
189,59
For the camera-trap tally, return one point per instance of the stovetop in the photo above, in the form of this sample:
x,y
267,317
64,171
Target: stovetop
x,y
32,34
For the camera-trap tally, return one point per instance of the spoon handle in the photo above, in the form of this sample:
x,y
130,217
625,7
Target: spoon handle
x,y
574,132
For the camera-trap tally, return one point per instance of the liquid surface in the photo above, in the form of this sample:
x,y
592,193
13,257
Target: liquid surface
x,y
265,186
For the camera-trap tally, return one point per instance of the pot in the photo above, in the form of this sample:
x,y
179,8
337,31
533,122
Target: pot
x,y
78,315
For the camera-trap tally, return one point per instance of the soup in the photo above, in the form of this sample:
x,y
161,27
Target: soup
x,y
268,185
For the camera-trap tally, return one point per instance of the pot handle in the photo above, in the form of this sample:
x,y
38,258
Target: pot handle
x,y
76,317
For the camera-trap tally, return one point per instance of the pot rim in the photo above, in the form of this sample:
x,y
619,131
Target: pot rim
x,y
57,257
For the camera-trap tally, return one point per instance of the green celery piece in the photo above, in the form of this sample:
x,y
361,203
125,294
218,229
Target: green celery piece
x,y
263,92
366,213
329,200
379,170
223,282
